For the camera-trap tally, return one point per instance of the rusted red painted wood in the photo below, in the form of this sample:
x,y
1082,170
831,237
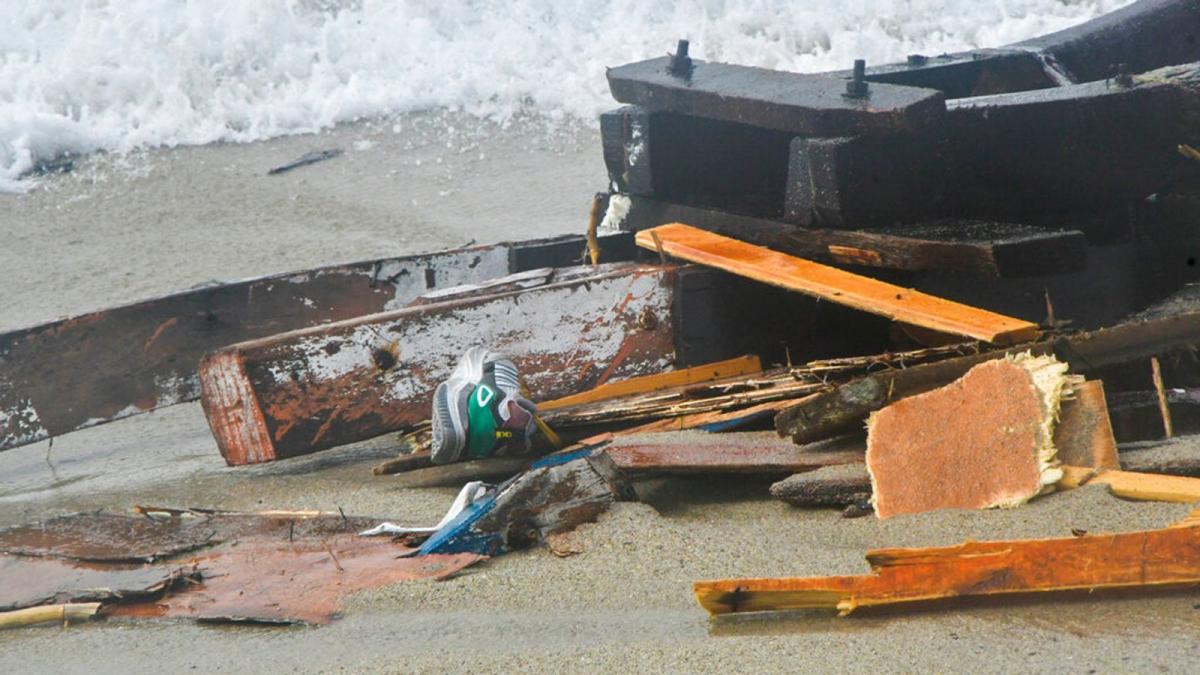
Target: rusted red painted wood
x,y
304,391
91,369
99,367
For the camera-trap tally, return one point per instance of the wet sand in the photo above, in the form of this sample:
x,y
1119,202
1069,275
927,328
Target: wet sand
x,y
121,229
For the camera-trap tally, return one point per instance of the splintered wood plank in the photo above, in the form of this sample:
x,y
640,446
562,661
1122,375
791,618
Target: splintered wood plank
x,y
829,283
742,365
1163,558
304,391
735,453
1147,487
1084,435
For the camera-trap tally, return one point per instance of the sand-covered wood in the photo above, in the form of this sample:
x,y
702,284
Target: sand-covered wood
x,y
829,283
1150,487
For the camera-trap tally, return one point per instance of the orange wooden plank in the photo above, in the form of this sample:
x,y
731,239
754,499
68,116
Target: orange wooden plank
x,y
829,283
742,365
1163,558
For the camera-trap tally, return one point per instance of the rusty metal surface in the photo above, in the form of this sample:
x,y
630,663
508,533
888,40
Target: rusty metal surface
x,y
804,104
274,580
309,390
29,581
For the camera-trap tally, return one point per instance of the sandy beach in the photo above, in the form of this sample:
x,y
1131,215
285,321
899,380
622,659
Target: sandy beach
x,y
119,229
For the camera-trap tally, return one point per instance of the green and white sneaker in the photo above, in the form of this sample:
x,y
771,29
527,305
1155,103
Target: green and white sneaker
x,y
480,412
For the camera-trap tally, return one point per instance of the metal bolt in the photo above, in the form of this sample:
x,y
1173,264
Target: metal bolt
x,y
681,63
857,86
1124,77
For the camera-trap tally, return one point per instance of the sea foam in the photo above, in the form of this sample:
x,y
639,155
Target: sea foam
x,y
85,75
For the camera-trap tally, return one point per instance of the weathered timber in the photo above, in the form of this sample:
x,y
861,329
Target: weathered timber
x,y
625,139
1082,437
846,288
557,494
27,581
1143,35
1163,558
979,248
975,73
811,105
1081,146
1132,485
304,391
723,404
291,579
740,366
981,441
106,365
492,470
1084,434
839,485
698,452
859,182
847,406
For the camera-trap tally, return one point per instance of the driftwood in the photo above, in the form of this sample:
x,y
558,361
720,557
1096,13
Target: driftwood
x,y
835,285
102,366
1149,559
740,366
847,406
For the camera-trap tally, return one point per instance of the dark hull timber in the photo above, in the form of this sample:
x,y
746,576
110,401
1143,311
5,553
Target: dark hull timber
x,y
114,363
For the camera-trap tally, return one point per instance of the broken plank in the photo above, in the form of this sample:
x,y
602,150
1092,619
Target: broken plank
x,y
103,366
828,283
979,248
1146,487
847,406
1163,558
699,452
1084,434
742,365
811,105
304,391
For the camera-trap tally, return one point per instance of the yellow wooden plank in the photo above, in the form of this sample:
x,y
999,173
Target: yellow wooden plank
x,y
829,283
736,367
1147,487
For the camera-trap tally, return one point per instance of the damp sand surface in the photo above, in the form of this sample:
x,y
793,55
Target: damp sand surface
x,y
120,229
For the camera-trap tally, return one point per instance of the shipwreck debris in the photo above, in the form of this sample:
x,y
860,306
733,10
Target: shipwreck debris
x,y
838,286
982,441
1163,558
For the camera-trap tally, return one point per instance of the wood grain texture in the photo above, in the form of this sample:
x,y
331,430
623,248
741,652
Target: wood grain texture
x,y
1146,487
846,288
1163,558
742,365
304,391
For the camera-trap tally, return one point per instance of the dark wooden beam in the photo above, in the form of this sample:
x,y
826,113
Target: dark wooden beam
x,y
979,248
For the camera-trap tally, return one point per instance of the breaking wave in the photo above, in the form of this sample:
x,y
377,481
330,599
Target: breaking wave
x,y
78,76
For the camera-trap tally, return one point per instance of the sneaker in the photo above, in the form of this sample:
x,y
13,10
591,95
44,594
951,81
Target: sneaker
x,y
480,412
